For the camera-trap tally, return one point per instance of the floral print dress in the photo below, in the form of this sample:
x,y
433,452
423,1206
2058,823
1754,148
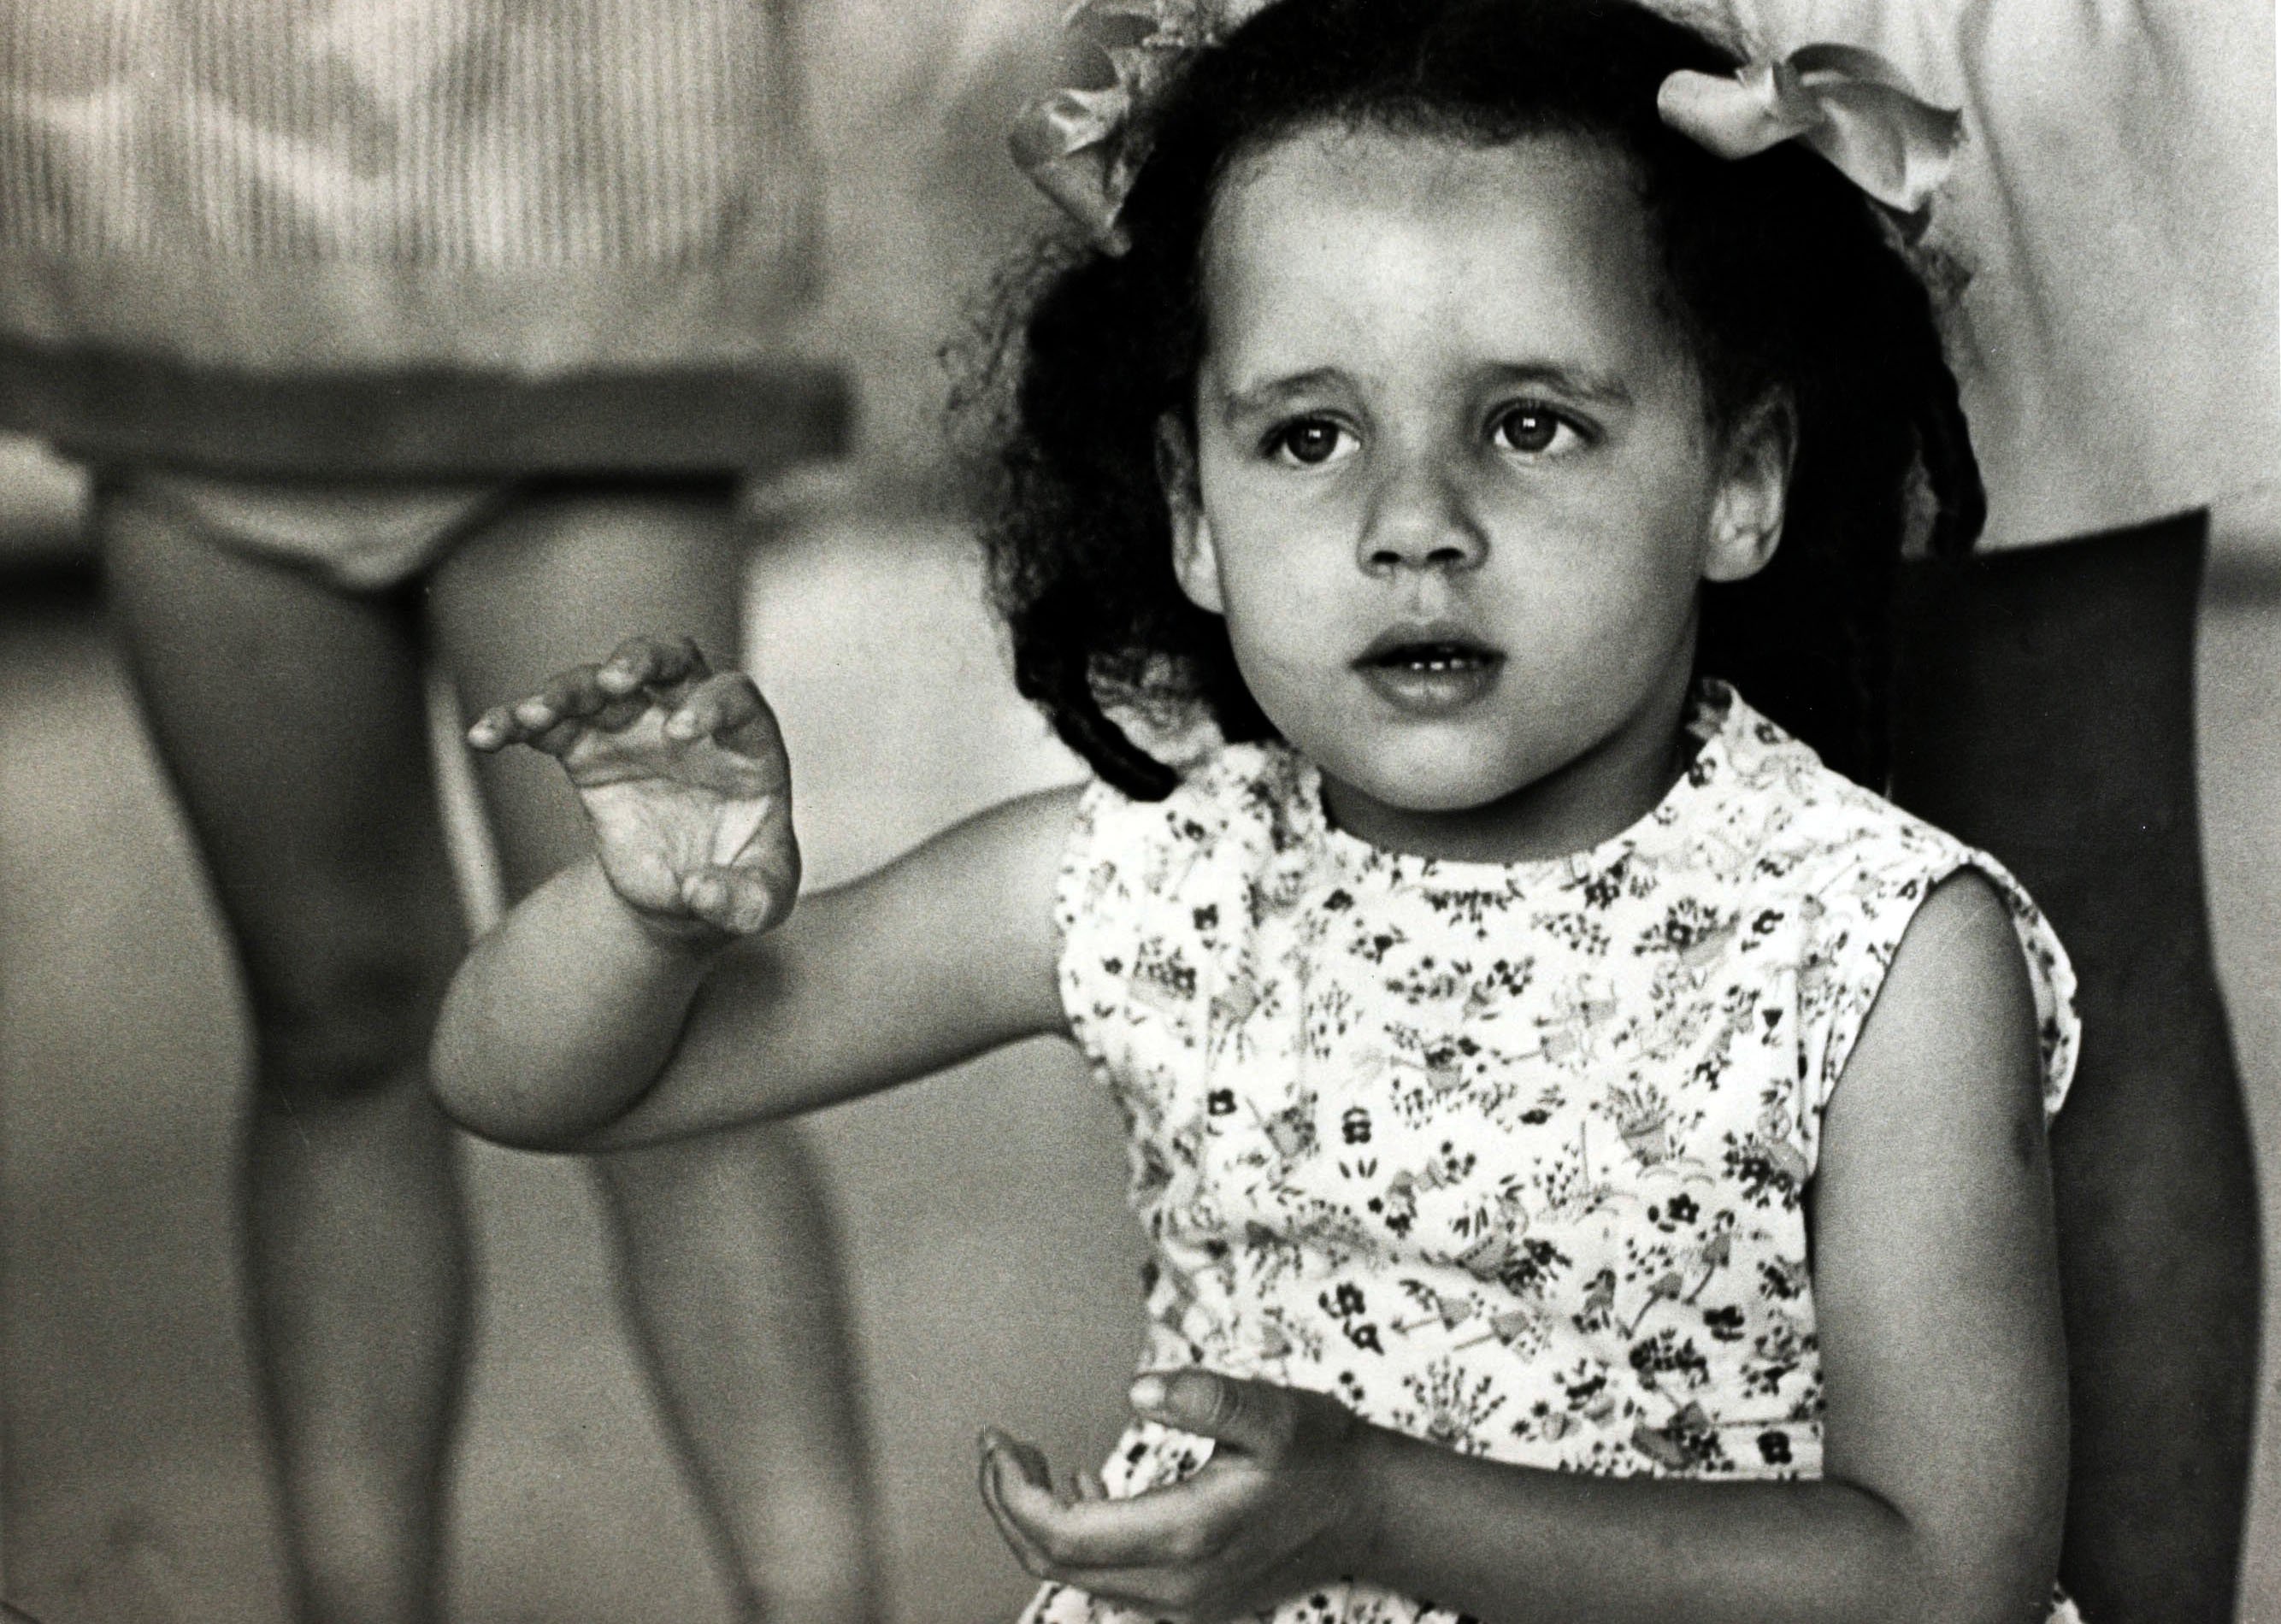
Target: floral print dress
x,y
1511,1157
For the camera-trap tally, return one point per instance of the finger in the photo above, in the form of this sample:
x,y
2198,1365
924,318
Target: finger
x,y
750,728
1175,1527
1089,1486
727,708
1256,1417
1029,1471
1018,1539
1013,1473
1159,1591
629,665
543,727
620,714
562,712
559,737
726,702
495,730
539,728
657,661
1161,1594
732,900
574,692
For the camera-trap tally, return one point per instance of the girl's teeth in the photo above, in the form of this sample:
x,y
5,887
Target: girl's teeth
x,y
1434,660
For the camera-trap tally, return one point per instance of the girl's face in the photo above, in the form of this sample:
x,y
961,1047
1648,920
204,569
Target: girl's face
x,y
1453,487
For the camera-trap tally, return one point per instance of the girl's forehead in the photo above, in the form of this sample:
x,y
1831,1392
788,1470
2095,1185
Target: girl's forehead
x,y
1423,238
1419,155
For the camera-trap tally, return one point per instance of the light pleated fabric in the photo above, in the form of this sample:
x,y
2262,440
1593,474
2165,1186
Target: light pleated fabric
x,y
207,151
201,193
2120,340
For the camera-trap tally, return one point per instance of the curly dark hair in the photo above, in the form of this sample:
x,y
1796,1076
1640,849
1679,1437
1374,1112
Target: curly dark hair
x,y
1782,274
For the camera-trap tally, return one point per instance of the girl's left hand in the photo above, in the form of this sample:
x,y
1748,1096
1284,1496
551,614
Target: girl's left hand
x,y
1279,1508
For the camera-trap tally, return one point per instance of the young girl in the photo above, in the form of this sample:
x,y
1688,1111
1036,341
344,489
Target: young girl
x,y
1593,1150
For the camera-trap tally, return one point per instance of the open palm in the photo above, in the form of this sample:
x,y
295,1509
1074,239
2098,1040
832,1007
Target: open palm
x,y
683,774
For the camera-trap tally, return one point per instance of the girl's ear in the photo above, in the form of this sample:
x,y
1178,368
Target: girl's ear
x,y
1753,495
1195,562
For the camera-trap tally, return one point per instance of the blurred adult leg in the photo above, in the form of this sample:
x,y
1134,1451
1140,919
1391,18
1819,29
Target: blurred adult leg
x,y
290,718
727,1260
2045,712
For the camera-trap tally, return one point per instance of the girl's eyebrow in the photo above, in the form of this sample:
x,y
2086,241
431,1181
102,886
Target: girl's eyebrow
x,y
1268,395
1596,388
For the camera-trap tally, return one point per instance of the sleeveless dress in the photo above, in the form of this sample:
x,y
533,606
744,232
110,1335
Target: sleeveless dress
x,y
1510,1158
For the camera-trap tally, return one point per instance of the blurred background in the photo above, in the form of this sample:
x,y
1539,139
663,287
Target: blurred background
x,y
993,1268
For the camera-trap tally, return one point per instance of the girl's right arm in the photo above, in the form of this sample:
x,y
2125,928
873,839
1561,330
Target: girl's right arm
x,y
658,989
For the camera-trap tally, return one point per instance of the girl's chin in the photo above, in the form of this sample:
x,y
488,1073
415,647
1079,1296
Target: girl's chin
x,y
1437,792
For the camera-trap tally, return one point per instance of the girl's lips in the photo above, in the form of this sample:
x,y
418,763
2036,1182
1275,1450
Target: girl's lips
x,y
1427,675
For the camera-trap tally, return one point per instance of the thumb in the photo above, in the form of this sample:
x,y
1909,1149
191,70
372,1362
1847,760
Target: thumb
x,y
1254,1417
737,901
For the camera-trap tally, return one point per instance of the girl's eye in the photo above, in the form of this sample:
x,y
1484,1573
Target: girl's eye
x,y
1311,442
1530,429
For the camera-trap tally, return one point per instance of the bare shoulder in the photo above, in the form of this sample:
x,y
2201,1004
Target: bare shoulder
x,y
1965,919
1957,1007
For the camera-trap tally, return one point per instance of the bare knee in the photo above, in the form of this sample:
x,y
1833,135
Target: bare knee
x,y
346,1014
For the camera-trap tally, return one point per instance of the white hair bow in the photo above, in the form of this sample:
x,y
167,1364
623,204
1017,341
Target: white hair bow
x,y
1849,105
1078,146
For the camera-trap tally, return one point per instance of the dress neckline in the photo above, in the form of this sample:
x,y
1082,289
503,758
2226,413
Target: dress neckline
x,y
1714,713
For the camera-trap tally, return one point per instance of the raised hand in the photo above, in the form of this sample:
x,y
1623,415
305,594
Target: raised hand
x,y
683,774
1279,1508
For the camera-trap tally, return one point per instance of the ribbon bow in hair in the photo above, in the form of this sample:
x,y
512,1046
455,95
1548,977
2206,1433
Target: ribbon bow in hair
x,y
1849,105
1080,147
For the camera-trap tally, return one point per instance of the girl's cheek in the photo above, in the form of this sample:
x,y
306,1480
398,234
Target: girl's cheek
x,y
1275,666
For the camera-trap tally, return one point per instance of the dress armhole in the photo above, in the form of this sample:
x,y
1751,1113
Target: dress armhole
x,y
1084,911
1862,917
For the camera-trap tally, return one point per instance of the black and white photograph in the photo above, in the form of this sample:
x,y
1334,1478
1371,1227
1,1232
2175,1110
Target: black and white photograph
x,y
1140,812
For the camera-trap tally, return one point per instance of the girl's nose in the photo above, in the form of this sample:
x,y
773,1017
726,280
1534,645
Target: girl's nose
x,y
1419,519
